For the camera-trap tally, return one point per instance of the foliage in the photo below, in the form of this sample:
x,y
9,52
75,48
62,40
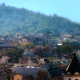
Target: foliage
x,y
42,75
11,52
15,44
15,53
58,50
20,52
29,77
14,20
66,48
47,46
29,45
51,58
52,37
49,32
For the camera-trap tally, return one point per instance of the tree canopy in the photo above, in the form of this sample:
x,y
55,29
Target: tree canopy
x,y
42,75
67,48
47,46
14,20
29,45
15,53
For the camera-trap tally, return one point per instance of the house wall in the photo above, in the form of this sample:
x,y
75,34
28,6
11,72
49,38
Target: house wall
x,y
72,78
18,77
28,71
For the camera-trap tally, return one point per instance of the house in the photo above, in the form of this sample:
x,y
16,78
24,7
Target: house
x,y
11,60
45,63
47,53
28,54
29,70
72,71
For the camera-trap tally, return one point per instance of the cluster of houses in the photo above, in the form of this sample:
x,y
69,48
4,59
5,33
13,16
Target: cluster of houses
x,y
12,68
59,66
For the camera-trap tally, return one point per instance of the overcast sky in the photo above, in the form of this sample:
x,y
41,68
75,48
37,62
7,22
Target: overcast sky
x,y
66,8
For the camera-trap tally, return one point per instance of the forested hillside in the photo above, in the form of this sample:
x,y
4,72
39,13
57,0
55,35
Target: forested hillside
x,y
15,20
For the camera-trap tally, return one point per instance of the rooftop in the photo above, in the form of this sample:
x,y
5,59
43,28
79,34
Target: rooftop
x,y
73,66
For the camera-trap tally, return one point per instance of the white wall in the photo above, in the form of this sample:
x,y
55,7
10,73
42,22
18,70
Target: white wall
x,y
72,78
28,71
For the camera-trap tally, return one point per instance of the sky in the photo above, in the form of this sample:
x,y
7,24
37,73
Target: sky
x,y
65,8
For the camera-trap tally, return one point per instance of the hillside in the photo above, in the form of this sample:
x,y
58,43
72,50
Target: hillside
x,y
15,20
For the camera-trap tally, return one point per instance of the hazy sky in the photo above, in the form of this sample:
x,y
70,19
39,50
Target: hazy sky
x,y
66,8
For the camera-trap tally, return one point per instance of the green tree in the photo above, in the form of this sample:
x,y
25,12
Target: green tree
x,y
29,45
58,50
15,53
49,32
42,75
47,46
20,52
66,48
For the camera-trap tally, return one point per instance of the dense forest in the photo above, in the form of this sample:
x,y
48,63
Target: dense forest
x,y
15,20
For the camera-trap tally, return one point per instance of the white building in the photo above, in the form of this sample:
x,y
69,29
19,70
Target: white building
x,y
29,70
